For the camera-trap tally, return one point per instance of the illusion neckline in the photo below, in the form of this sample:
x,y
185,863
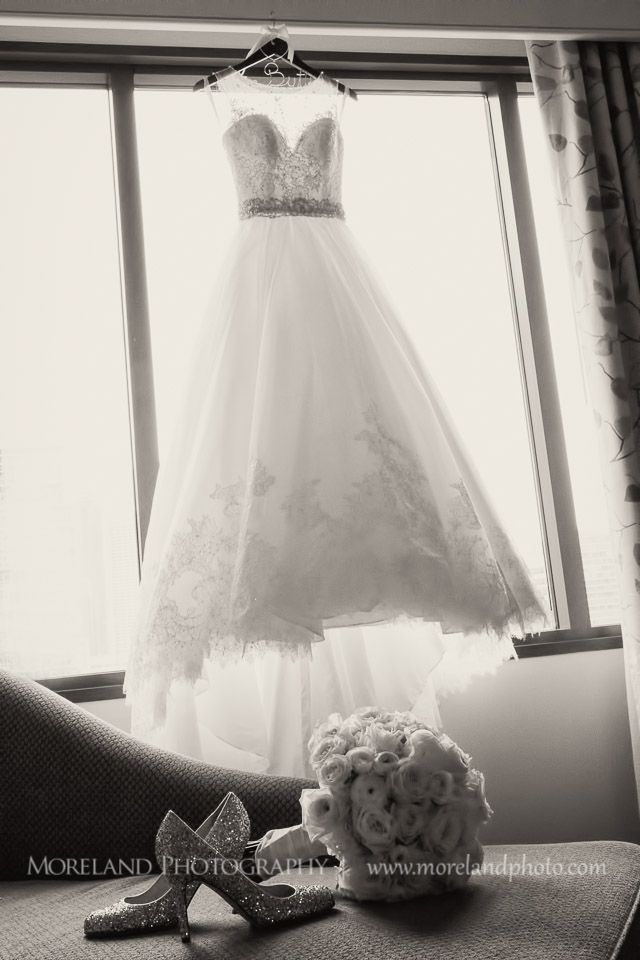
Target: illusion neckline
x,y
275,88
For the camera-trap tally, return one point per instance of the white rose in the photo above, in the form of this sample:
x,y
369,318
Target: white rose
x,y
462,862
357,880
409,781
352,728
427,749
329,728
403,718
319,812
385,763
470,797
361,759
455,760
418,876
473,817
404,853
369,790
372,713
374,827
334,771
360,738
408,723
325,748
475,786
443,831
440,786
382,740
409,819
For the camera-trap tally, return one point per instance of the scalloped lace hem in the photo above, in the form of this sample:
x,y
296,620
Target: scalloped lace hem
x,y
467,653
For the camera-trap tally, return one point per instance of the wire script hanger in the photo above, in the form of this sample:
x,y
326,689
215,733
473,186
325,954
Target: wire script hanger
x,y
274,47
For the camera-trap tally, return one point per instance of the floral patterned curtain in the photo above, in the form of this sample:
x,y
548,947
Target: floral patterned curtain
x,y
589,97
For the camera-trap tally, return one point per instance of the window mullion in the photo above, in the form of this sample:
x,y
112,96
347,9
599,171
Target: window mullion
x,y
137,330
555,495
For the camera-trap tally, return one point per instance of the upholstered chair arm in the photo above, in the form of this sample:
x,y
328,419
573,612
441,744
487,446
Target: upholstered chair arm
x,y
76,788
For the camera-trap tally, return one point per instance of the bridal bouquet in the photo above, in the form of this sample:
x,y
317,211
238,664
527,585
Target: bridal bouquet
x,y
398,805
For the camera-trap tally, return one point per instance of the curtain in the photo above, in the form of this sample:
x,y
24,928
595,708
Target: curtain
x,y
589,98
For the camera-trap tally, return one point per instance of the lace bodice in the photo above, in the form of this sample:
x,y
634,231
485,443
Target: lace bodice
x,y
284,144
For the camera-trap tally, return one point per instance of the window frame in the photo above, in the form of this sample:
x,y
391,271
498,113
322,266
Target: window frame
x,y
500,81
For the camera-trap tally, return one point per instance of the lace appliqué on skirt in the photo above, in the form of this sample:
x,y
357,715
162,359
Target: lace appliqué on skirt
x,y
265,568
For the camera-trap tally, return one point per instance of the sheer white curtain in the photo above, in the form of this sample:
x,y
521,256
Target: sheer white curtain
x,y
589,100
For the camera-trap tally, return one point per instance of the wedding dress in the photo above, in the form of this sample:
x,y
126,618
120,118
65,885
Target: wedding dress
x,y
318,539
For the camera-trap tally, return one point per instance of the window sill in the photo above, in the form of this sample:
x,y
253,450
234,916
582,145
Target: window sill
x,y
108,686
553,642
91,686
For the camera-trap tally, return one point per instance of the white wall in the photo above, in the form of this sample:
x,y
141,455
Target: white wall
x,y
551,734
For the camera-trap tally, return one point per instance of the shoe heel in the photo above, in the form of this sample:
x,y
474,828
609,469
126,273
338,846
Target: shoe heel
x,y
179,885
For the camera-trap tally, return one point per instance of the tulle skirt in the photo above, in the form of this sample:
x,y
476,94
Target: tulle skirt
x,y
316,501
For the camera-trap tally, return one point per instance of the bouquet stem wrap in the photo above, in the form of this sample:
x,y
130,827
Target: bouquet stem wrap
x,y
285,848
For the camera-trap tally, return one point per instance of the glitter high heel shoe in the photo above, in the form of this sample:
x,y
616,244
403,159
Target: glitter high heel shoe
x,y
227,827
181,853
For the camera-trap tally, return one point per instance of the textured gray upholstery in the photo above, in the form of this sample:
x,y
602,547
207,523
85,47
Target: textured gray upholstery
x,y
73,786
529,918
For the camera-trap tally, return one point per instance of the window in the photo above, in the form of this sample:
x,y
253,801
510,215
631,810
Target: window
x,y
189,211
432,214
429,216
68,560
579,426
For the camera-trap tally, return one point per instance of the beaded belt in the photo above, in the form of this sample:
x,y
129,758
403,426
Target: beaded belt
x,y
297,207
